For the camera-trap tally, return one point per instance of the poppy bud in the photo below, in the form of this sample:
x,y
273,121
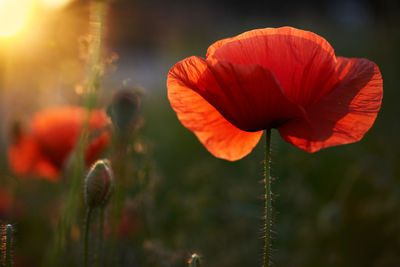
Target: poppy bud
x,y
194,260
124,109
99,184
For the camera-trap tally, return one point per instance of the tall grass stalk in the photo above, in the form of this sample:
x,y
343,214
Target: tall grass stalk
x,y
75,174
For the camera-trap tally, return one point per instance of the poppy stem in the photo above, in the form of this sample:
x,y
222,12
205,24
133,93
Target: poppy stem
x,y
8,256
99,254
87,230
268,201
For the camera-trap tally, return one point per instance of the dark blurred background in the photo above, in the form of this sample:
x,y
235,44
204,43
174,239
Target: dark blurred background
x,y
336,207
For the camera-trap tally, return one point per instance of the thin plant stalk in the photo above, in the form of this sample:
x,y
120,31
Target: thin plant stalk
x,y
97,20
9,232
100,237
70,209
268,200
86,240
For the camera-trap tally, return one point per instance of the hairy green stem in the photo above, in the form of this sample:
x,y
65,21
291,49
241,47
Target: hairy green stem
x,y
268,201
99,252
9,230
87,231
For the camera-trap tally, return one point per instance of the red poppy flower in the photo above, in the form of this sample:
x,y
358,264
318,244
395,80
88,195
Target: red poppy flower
x,y
53,135
282,78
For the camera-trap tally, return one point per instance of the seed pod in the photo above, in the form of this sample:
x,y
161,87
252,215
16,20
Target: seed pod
x,y
99,184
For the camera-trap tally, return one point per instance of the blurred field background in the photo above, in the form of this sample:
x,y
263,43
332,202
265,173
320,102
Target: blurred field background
x,y
337,207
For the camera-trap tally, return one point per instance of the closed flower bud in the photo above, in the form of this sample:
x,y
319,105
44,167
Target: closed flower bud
x,y
99,184
124,109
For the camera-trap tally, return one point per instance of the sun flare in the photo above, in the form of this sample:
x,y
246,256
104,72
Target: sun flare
x,y
13,16
54,3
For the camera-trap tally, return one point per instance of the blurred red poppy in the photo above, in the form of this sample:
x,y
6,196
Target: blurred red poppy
x,y
281,78
6,201
53,134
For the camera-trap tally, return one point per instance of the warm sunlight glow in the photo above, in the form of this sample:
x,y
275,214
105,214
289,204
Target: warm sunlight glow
x,y
54,3
13,16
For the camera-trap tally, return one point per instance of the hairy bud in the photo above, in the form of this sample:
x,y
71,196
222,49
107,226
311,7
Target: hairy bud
x,y
99,184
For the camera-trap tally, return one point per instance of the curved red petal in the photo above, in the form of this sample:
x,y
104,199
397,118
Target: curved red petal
x,y
248,96
303,62
98,120
217,134
345,114
22,155
25,158
96,147
45,169
57,131
214,47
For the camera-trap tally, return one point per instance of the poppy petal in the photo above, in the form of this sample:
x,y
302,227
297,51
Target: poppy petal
x,y
98,120
212,48
345,114
44,168
248,96
303,62
22,154
25,158
219,136
97,146
57,131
